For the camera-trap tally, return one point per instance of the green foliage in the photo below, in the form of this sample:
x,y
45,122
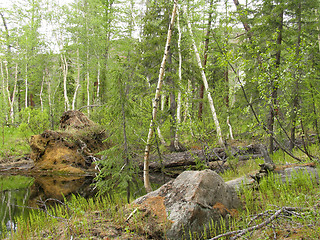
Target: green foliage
x,y
33,120
13,142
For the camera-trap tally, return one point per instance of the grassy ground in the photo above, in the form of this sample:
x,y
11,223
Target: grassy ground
x,y
294,207
13,143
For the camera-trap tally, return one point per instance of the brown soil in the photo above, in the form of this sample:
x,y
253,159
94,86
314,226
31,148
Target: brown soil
x,y
71,150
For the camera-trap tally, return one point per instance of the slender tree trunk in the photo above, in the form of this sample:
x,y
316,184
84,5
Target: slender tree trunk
x,y
88,85
77,82
173,103
274,89
243,19
205,58
49,100
126,149
65,68
98,83
41,92
228,102
26,86
296,84
7,32
156,101
11,99
315,115
3,92
176,138
206,86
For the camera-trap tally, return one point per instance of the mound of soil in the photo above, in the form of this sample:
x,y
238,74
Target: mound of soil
x,y
75,119
71,150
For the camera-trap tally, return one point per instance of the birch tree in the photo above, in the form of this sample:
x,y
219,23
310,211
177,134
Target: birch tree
x,y
156,100
176,138
206,85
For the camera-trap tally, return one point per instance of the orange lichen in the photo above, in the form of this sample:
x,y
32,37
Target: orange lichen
x,y
280,168
224,210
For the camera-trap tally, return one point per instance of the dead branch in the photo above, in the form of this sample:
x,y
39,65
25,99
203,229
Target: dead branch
x,y
238,233
44,208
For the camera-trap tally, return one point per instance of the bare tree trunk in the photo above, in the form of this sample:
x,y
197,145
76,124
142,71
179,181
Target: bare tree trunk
x,y
296,84
176,138
26,86
274,88
206,86
49,100
156,100
41,92
98,83
65,69
205,58
11,99
77,82
88,86
3,91
243,19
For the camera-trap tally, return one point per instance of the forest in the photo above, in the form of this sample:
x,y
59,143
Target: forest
x,y
164,76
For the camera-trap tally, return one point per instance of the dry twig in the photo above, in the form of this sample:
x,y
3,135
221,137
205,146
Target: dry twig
x,y
238,233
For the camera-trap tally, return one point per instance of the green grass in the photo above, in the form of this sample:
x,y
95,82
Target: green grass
x,y
15,182
105,217
13,143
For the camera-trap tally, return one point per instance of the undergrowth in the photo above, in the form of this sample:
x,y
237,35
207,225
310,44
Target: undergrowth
x,y
107,218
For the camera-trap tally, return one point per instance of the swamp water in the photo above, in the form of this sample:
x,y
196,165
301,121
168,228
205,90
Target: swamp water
x,y
19,194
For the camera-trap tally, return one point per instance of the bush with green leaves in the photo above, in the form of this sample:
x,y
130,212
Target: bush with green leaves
x,y
33,120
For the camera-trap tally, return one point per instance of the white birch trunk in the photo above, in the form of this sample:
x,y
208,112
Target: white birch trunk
x,y
187,113
3,89
49,98
163,142
206,86
26,86
77,82
230,128
156,102
98,83
65,68
176,137
11,100
88,93
41,92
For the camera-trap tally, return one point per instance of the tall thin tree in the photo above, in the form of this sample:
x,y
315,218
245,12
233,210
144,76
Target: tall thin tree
x,y
156,100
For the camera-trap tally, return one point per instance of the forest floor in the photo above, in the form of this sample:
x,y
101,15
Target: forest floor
x,y
273,210
282,210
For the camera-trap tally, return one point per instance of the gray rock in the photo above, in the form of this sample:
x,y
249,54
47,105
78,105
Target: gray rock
x,y
240,182
288,174
193,200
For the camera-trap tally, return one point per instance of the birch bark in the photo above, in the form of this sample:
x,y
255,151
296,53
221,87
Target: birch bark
x,y
206,87
156,100
41,92
77,82
65,68
176,138
11,99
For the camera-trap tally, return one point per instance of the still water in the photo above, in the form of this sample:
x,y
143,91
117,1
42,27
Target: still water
x,y
19,194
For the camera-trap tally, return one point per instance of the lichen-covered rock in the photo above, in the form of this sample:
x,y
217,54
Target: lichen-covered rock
x,y
191,202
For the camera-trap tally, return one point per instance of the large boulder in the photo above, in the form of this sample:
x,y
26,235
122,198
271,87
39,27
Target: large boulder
x,y
71,150
191,202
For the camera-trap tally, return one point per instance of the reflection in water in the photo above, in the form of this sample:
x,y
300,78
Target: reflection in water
x,y
19,194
